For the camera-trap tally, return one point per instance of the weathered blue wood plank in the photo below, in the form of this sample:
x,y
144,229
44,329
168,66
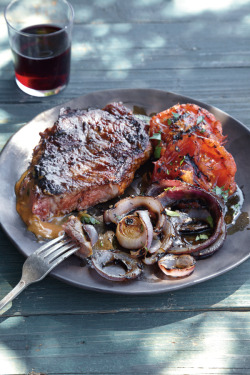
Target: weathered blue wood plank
x,y
204,84
155,46
169,343
214,86
118,11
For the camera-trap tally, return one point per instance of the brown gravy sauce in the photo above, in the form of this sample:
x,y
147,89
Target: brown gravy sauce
x,y
42,229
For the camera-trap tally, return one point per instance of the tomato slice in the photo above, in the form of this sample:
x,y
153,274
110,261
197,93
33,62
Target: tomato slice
x,y
183,119
199,161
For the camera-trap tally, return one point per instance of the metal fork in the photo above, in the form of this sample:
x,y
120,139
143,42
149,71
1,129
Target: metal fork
x,y
40,263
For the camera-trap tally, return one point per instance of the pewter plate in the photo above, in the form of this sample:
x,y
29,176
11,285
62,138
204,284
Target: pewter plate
x,y
17,153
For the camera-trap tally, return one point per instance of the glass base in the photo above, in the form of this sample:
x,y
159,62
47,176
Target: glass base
x,y
34,92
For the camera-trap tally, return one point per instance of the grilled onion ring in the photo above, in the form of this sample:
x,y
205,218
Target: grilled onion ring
x,y
91,232
101,259
184,192
177,266
135,231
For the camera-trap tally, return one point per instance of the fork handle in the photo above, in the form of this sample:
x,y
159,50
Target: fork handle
x,y
13,293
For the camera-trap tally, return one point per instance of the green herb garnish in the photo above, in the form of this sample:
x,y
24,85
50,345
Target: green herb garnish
x,y
171,213
175,115
221,192
170,188
210,221
156,136
201,237
181,162
235,207
199,120
157,151
87,219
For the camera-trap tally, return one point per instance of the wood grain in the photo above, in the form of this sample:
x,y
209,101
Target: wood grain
x,y
163,343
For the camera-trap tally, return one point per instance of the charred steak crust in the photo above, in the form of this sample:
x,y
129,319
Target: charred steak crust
x,y
87,157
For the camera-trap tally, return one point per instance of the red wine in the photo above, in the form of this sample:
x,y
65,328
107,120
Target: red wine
x,y
42,60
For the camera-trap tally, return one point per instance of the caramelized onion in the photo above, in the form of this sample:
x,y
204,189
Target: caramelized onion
x,y
209,250
138,253
92,233
185,193
108,264
177,265
130,204
160,246
135,231
150,259
166,238
158,187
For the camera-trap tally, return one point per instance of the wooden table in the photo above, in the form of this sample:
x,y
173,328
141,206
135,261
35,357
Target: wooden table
x,y
199,49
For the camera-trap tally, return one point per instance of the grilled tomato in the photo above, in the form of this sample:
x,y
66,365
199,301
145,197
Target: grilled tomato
x,y
191,143
183,119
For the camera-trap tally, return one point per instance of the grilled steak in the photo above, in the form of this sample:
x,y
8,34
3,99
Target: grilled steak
x,y
87,157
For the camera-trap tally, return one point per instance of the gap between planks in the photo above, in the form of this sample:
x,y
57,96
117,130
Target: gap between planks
x,y
124,311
